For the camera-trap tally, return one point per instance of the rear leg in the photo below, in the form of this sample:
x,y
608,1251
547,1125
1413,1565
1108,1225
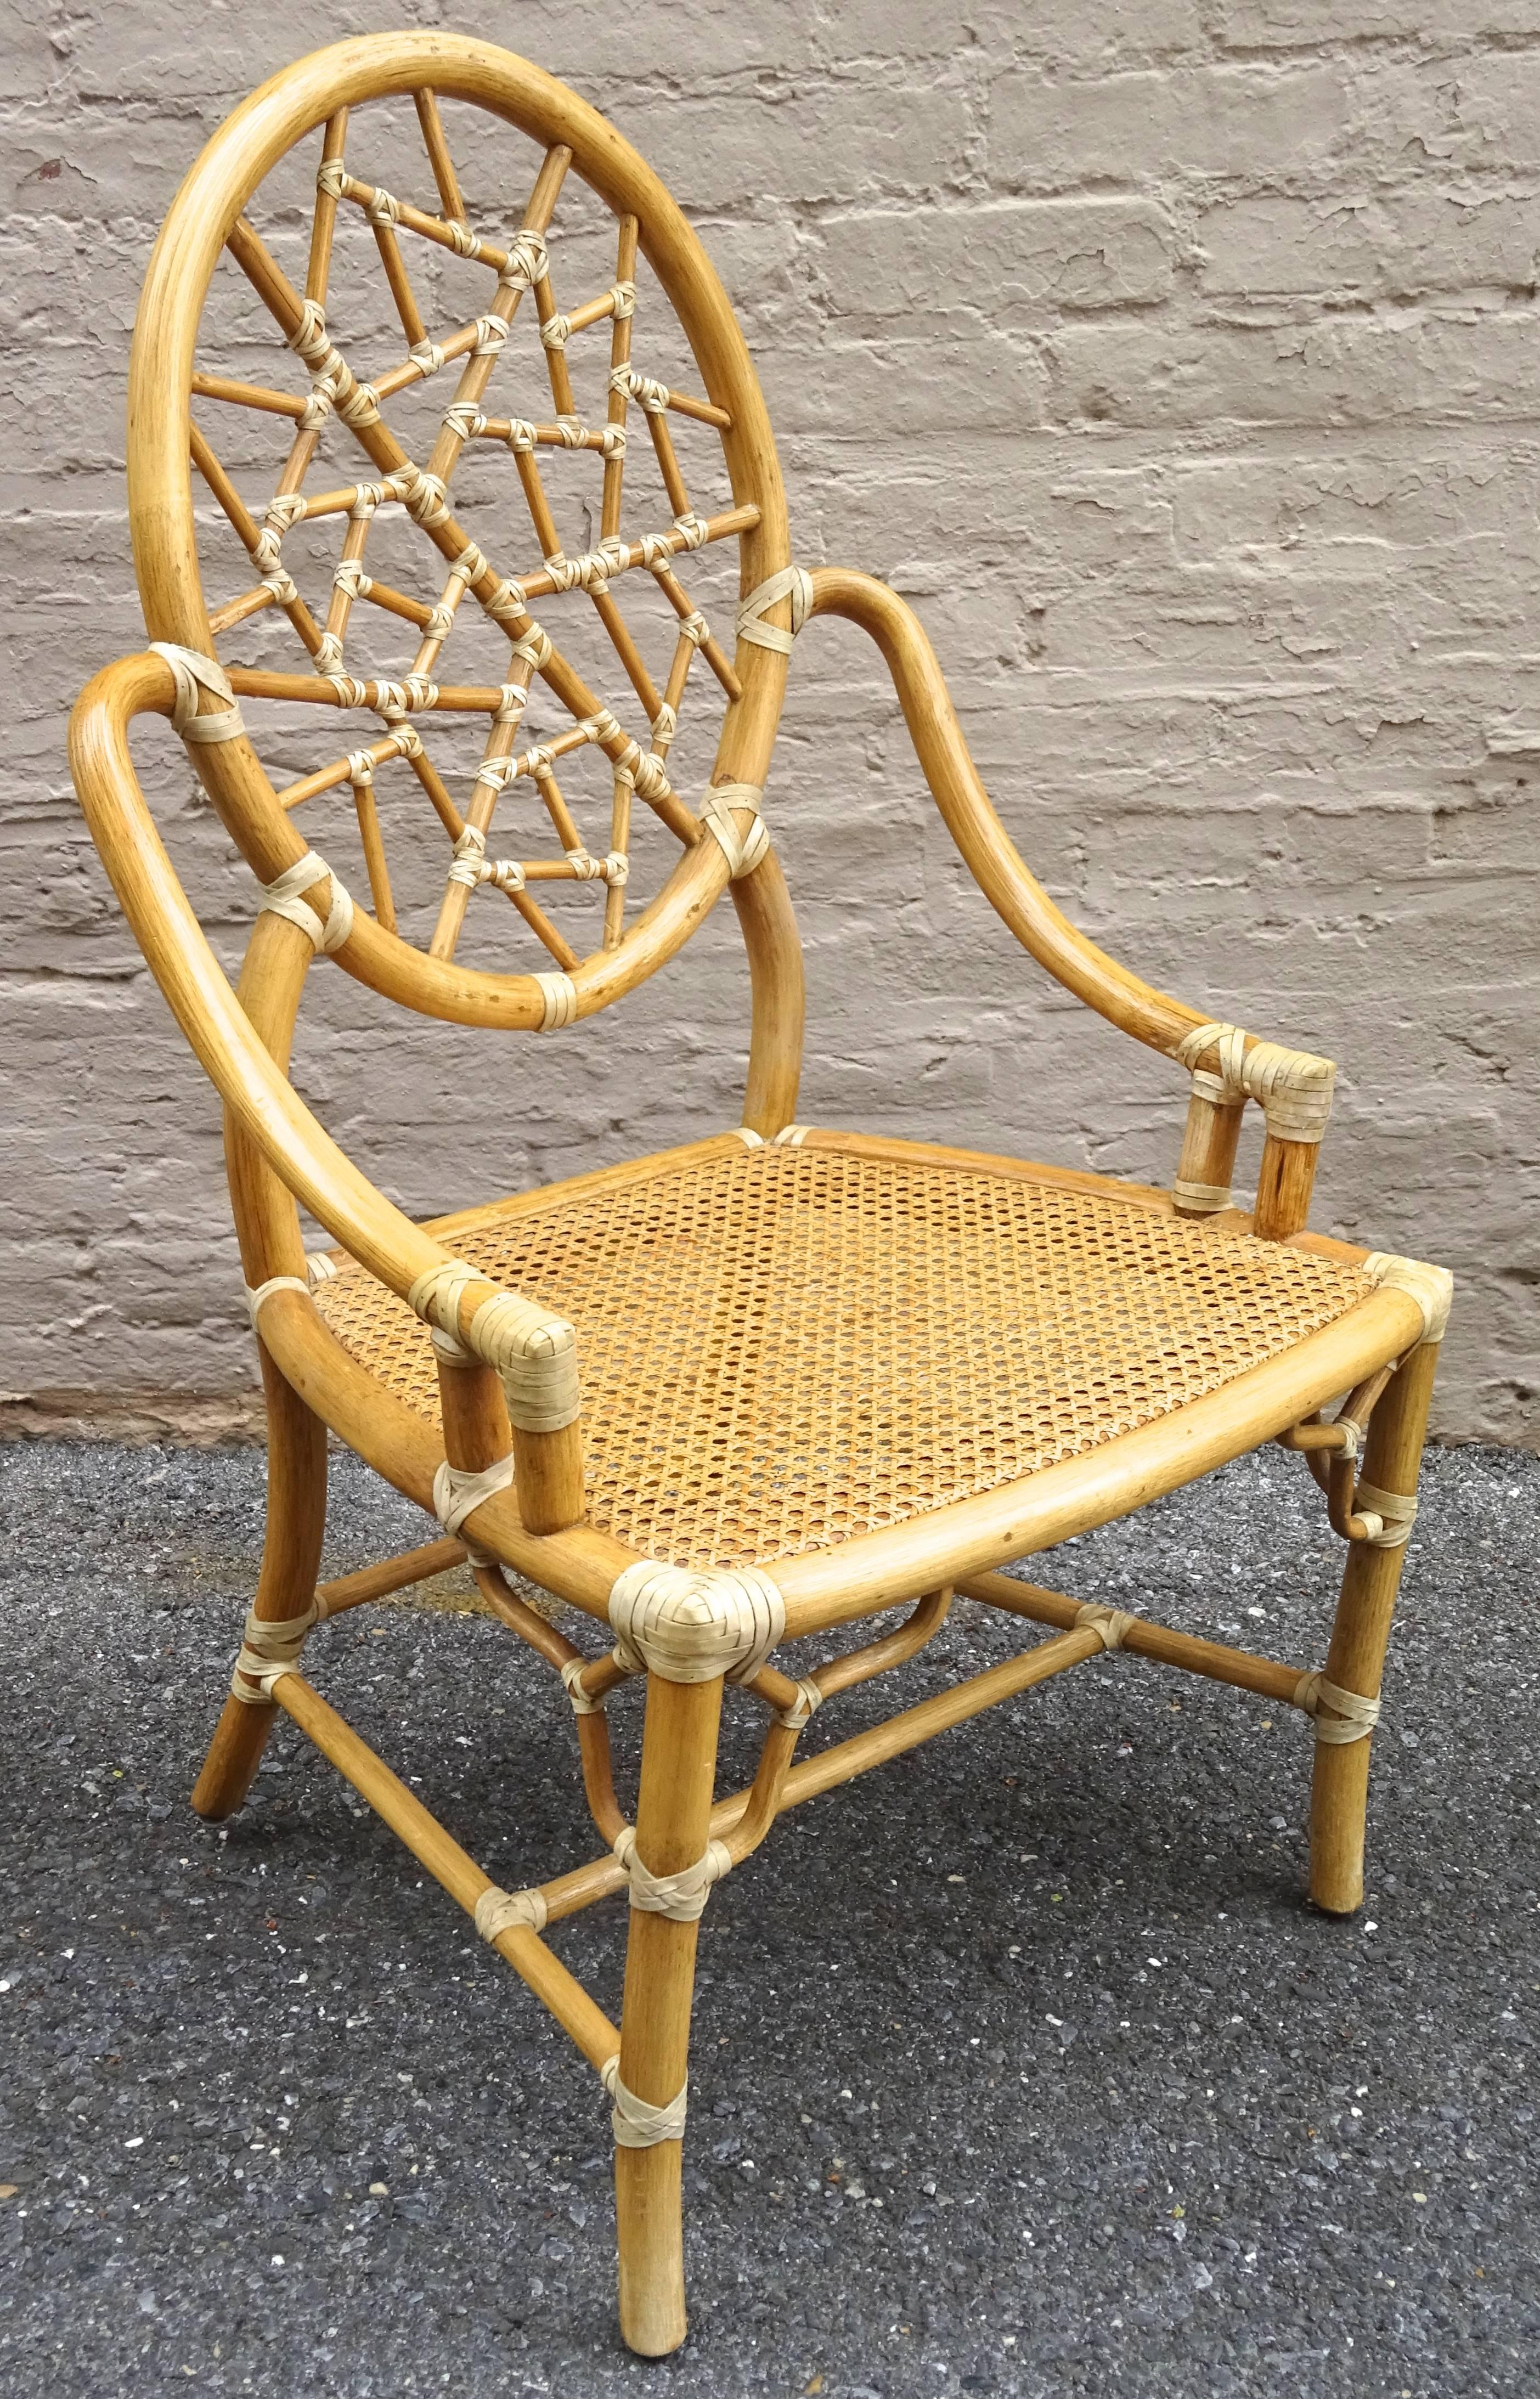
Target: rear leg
x,y
285,1587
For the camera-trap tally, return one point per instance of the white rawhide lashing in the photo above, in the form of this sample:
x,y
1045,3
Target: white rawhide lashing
x,y
285,897
509,1911
645,773
593,569
1113,1624
264,1292
805,1706
192,674
635,2123
472,866
470,851
1293,1087
1352,1718
689,1626
270,1647
285,510
572,1677
743,851
679,1896
333,379
532,1349
651,394
1389,1515
559,999
312,342
528,262
1201,1198
1430,1288
458,1491
791,583
436,1298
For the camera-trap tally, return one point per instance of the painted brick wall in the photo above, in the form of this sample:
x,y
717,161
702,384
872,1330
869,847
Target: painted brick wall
x,y
1178,358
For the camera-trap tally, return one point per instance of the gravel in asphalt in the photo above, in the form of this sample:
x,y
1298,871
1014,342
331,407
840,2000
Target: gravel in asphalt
x,y
1020,2066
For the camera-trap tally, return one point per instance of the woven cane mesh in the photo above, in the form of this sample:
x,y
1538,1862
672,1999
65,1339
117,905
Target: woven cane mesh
x,y
783,1348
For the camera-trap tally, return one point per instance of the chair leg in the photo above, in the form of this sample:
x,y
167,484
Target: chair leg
x,y
291,1561
672,1822
1356,1659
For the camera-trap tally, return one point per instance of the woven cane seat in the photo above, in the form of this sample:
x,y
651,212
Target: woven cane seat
x,y
782,1347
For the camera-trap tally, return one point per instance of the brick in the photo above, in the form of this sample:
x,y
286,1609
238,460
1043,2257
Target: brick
x,y
1047,129
898,139
1414,367
1396,248
1475,111
1008,261
1295,24
1084,31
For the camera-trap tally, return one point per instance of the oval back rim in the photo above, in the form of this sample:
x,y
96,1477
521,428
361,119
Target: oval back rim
x,y
217,188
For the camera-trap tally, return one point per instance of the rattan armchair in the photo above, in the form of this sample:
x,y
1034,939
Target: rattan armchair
x,y
782,1380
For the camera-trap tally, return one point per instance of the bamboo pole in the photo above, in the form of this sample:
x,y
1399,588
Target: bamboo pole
x,y
567,1894
1206,1166
292,1551
1144,1639
600,1676
391,1574
268,1227
436,143
536,1964
673,1811
1356,1659
1285,1182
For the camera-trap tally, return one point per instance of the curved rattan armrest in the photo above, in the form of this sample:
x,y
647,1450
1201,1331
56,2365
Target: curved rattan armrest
x,y
531,1348
1151,1016
1227,1065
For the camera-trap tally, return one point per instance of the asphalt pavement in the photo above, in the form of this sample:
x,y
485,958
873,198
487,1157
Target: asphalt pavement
x,y
1020,2065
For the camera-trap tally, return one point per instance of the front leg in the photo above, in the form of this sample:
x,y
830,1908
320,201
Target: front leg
x,y
285,1587
1356,1659
678,1758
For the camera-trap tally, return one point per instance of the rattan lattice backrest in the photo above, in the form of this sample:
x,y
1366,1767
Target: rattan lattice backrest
x,y
480,429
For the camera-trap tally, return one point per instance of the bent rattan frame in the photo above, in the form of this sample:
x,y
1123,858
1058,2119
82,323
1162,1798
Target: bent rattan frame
x,y
911,1365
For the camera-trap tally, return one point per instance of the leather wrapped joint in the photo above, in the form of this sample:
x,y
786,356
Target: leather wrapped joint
x,y
689,1626
1293,1088
532,1348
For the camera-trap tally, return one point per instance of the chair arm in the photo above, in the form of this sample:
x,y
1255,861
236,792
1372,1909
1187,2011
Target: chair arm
x,y
532,1348
1227,1065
